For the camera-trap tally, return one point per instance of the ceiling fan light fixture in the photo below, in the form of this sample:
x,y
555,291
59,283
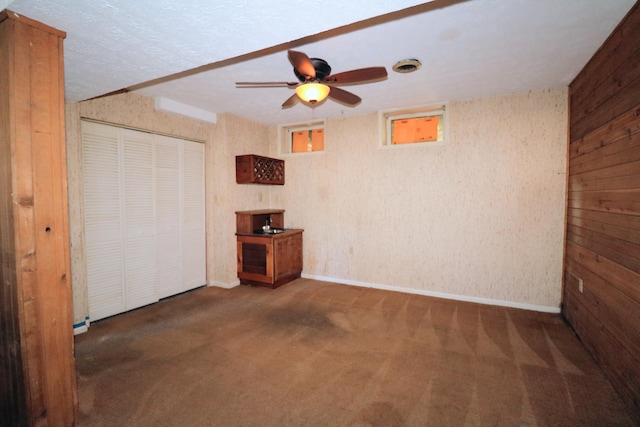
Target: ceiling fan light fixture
x,y
312,92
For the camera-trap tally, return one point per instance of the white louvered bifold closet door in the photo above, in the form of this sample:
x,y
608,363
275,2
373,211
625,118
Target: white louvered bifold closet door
x,y
103,222
144,217
169,215
193,219
139,219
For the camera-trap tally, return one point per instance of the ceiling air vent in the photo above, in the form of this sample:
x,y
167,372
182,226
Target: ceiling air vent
x,y
407,66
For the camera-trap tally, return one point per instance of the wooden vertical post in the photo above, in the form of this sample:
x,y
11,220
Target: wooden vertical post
x,y
38,385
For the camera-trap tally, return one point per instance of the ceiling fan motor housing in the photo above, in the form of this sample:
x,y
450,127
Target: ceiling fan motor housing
x,y
322,70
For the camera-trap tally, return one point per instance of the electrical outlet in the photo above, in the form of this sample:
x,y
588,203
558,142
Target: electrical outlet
x,y
580,285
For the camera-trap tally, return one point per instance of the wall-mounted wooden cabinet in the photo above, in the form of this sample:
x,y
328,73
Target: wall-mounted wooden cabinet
x,y
254,169
267,259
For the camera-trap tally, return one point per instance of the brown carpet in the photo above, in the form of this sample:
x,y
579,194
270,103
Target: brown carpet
x,y
320,354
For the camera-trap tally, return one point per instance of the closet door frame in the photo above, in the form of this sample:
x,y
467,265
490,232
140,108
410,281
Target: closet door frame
x,y
161,247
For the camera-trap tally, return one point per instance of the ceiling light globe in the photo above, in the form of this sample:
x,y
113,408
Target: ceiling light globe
x,y
312,92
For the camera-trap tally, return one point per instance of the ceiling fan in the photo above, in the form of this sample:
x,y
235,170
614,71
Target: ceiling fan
x,y
317,83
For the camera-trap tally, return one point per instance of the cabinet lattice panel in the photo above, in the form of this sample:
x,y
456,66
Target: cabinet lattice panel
x,y
269,169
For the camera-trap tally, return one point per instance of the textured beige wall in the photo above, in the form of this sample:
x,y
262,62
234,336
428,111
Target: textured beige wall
x,y
234,136
480,217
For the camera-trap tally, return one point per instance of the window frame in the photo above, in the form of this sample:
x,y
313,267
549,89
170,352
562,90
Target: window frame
x,y
386,117
285,132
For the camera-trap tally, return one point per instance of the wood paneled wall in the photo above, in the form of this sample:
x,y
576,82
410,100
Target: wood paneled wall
x,y
12,408
37,370
602,260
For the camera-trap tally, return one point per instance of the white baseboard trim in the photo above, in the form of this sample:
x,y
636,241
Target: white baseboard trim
x,y
486,301
218,284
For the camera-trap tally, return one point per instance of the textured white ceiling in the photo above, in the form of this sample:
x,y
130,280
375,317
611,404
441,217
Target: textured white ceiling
x,y
469,48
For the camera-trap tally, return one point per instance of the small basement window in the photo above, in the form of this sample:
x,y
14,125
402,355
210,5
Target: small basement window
x,y
302,138
425,126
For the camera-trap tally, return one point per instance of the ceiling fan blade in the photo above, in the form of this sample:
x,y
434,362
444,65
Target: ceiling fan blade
x,y
266,84
291,101
302,64
362,75
344,97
